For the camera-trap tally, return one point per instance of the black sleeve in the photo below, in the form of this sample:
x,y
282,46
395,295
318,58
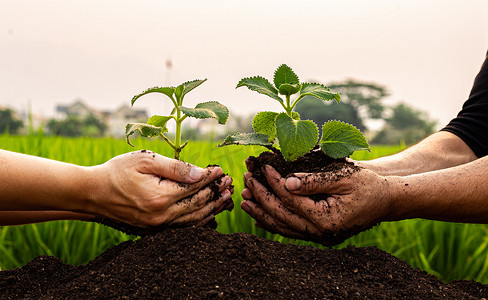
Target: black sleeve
x,y
471,124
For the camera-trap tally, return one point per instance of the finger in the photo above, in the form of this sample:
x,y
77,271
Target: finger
x,y
247,194
300,205
205,221
266,222
275,208
320,183
173,169
247,175
199,199
212,208
177,190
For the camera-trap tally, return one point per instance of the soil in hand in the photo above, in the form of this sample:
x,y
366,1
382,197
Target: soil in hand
x,y
313,162
141,231
199,263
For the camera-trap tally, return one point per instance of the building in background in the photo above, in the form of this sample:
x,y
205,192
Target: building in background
x,y
115,121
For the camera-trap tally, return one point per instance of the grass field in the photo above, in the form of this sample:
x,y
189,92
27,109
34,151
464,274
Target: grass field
x,y
449,251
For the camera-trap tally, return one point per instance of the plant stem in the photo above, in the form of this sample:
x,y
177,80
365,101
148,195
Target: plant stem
x,y
288,108
177,142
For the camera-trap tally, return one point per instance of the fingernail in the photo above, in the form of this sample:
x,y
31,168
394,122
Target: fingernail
x,y
292,183
196,173
220,171
244,205
228,182
226,195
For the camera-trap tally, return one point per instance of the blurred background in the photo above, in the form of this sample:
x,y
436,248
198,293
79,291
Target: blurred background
x,y
404,68
68,70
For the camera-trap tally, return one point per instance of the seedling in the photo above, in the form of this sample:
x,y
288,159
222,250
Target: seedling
x,y
296,137
156,125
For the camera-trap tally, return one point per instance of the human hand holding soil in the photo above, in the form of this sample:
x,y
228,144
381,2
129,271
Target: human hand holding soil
x,y
329,207
139,188
146,189
343,203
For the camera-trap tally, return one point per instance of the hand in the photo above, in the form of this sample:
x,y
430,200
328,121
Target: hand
x,y
146,189
349,202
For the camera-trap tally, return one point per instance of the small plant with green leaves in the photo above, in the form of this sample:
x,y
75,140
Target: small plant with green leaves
x,y
296,137
156,125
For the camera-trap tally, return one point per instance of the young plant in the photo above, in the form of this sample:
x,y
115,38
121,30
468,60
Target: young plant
x,y
296,137
156,125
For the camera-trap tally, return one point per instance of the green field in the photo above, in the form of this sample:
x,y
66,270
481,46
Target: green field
x,y
449,251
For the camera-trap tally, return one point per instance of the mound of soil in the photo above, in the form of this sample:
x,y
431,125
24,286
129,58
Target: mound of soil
x,y
196,263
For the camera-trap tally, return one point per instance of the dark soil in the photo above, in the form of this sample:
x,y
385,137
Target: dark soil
x,y
313,162
199,263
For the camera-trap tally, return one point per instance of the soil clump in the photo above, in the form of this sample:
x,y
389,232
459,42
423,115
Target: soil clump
x,y
200,263
314,161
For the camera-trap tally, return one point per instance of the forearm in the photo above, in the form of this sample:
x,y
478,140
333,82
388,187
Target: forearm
x,y
458,194
29,183
8,218
438,151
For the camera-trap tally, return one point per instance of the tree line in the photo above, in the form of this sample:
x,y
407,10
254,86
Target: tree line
x,y
360,102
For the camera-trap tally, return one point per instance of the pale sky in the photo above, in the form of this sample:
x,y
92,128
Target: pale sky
x,y
426,53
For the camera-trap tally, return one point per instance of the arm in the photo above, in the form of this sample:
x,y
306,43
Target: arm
x,y
363,199
128,188
438,151
8,218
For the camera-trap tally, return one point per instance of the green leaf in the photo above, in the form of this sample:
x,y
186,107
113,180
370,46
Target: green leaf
x,y
190,85
319,91
168,91
261,85
246,139
205,110
340,139
289,89
179,93
285,75
159,121
265,122
186,87
296,137
144,129
295,115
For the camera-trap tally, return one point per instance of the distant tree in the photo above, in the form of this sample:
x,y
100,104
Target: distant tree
x,y
74,126
9,122
365,97
359,101
93,126
405,124
321,112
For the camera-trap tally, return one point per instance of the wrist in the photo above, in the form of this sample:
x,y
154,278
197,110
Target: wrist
x,y
397,199
87,182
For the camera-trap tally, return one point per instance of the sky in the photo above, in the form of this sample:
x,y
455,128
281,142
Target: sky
x,y
52,52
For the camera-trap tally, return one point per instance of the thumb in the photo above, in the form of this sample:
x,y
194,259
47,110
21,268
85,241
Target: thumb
x,y
317,183
173,169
